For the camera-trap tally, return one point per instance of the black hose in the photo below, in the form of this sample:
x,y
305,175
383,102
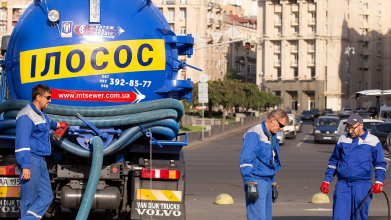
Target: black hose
x,y
362,203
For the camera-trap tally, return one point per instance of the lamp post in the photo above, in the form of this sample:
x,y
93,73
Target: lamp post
x,y
348,50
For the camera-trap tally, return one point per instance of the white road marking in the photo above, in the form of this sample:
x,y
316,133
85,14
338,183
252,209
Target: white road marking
x,y
319,210
302,141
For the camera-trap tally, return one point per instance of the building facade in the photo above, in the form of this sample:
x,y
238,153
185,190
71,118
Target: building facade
x,y
302,46
10,12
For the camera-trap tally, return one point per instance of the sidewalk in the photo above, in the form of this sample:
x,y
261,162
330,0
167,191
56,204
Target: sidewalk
x,y
243,129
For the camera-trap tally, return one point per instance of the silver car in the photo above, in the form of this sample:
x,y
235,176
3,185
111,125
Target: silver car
x,y
368,124
281,137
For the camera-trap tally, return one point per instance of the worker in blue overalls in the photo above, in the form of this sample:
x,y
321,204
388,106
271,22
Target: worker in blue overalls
x,y
32,145
354,157
259,162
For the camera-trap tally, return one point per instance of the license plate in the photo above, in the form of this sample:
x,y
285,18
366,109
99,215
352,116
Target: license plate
x,y
8,181
326,137
307,117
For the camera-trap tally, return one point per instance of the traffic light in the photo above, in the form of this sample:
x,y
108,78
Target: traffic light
x,y
248,46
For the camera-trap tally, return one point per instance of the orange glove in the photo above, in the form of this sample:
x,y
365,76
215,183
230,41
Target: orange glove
x,y
325,187
377,188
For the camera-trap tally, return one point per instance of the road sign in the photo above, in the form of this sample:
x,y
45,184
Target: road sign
x,y
203,92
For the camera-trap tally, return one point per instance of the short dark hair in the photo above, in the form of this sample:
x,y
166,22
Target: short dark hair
x,y
40,89
278,113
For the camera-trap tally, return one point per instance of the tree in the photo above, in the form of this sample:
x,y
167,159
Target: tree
x,y
233,74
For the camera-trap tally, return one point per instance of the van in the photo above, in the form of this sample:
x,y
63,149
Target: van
x,y
385,114
290,128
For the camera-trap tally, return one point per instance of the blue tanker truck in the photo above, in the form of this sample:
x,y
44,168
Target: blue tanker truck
x,y
112,67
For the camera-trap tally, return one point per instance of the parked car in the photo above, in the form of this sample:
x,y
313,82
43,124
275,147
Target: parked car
x,y
366,115
299,123
281,137
345,113
290,128
307,115
326,111
381,131
385,114
360,109
329,114
288,111
368,124
326,129
315,112
372,110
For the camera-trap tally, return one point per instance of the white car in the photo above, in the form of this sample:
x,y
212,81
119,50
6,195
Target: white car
x,y
368,124
290,128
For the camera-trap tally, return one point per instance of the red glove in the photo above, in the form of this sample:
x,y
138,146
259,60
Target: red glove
x,y
325,187
377,188
61,130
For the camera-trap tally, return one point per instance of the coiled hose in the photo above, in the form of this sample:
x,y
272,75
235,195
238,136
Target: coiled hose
x,y
159,116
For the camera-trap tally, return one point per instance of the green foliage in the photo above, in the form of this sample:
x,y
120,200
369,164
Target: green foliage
x,y
233,74
231,93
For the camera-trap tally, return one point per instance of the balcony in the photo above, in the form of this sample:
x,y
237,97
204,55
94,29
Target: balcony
x,y
15,18
364,51
295,34
210,20
365,24
312,21
294,63
277,49
277,9
239,58
218,7
311,63
311,49
277,35
278,22
365,65
295,22
277,63
183,1
311,7
365,38
311,34
294,49
170,2
295,8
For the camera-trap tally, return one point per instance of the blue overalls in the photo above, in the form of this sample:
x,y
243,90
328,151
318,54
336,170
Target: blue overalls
x,y
353,161
259,162
32,145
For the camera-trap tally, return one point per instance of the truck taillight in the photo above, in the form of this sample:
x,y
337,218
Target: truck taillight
x,y
8,170
160,174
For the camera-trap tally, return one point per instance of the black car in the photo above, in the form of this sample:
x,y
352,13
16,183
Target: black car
x,y
327,110
315,112
307,115
381,131
365,115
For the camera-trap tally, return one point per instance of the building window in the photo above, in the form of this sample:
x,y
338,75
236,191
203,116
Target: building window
x,y
171,15
279,72
238,68
2,13
296,72
183,14
366,86
378,85
183,31
359,85
313,73
379,47
3,28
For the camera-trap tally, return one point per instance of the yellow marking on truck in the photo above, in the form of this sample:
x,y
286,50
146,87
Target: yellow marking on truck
x,y
9,191
159,195
92,59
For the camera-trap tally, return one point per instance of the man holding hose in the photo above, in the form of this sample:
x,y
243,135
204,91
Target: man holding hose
x,y
32,146
354,157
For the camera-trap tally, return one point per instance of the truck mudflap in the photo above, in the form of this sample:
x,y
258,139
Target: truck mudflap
x,y
158,210
9,207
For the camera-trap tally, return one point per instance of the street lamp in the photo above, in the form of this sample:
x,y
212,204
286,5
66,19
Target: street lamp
x,y
348,50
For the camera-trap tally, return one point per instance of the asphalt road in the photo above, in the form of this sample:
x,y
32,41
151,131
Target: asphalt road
x,y
212,168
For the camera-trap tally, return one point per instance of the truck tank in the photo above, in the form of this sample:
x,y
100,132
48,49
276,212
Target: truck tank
x,y
112,67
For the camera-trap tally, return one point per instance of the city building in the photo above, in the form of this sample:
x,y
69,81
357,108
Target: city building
x,y
305,52
10,12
